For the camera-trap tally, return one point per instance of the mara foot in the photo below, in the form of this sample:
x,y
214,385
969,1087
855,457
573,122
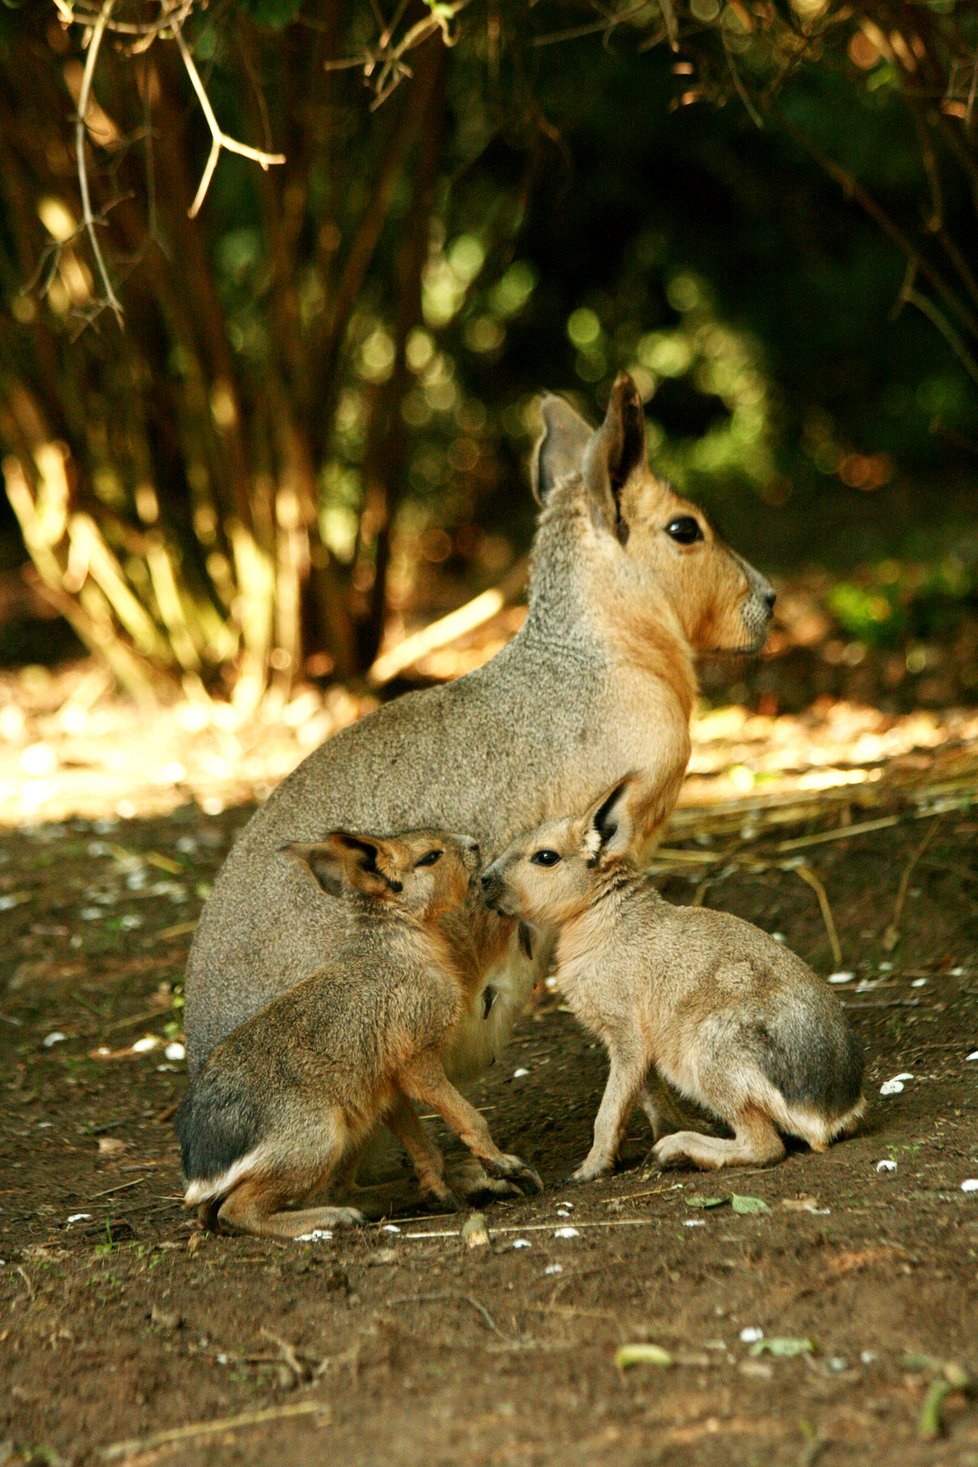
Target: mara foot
x,y
710,1153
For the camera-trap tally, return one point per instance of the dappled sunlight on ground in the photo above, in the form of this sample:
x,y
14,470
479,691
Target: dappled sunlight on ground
x,y
69,746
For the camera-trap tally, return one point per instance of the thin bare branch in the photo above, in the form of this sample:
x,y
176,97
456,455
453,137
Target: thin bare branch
x,y
219,138
383,64
84,96
738,82
145,32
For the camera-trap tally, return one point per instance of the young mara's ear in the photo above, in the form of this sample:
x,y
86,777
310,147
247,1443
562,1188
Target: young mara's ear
x,y
561,447
342,859
615,452
609,824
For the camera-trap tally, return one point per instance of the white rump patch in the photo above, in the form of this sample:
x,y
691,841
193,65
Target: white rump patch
x,y
205,1189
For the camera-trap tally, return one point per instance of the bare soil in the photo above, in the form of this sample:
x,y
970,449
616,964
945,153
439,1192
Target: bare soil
x,y
126,1336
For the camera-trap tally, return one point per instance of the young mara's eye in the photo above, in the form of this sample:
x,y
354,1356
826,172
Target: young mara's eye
x,y
430,858
544,858
684,529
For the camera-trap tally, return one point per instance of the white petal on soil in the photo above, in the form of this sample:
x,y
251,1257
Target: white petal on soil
x,y
919,983
970,1185
973,1055
518,1074
175,1050
566,1233
904,1075
891,1087
56,1037
79,1217
390,1228
886,1166
318,1235
750,1334
843,977
554,1268
693,1222
144,1045
521,1243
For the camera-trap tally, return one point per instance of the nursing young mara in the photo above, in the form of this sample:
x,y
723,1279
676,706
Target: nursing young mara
x,y
628,583
285,1102
708,1003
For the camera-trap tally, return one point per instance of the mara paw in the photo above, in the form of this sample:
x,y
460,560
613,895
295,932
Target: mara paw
x,y
589,1171
674,1153
514,1169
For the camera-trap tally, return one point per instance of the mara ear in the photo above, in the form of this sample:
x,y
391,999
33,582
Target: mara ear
x,y
614,453
609,825
561,447
342,860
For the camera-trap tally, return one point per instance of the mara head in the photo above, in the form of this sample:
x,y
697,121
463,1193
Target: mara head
x,y
424,872
551,874
659,554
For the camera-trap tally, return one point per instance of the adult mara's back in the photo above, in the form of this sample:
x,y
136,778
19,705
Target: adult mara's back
x,y
628,583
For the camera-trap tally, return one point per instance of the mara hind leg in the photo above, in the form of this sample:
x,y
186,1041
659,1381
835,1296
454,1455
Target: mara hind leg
x,y
424,1079
256,1207
424,1155
755,1143
258,1203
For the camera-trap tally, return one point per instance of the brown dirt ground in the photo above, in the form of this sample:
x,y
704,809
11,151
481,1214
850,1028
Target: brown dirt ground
x,y
389,1346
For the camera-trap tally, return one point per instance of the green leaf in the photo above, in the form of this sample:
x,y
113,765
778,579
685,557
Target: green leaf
x,y
700,1201
274,13
785,1348
748,1204
628,1355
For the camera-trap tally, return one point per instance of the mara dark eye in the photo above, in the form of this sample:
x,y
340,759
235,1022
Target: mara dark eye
x,y
684,529
544,858
430,858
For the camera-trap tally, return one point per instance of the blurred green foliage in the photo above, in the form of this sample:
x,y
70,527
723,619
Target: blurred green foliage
x,y
575,197
892,604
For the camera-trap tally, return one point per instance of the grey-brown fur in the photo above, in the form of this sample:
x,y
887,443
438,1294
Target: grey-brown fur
x,y
699,999
284,1102
599,680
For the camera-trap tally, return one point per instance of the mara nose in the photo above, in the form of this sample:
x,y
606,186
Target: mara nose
x,y
770,596
486,880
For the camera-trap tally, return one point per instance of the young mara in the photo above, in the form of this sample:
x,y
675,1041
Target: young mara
x,y
290,1094
700,999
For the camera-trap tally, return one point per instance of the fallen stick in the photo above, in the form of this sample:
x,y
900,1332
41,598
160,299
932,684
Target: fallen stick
x,y
550,1227
211,1428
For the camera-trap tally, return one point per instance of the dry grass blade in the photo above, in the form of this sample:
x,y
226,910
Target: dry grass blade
x,y
892,934
808,876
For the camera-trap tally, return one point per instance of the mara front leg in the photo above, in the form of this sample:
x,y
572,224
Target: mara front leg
x,y
424,1079
426,1159
624,1090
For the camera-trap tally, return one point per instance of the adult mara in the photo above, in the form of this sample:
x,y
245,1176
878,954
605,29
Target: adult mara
x,y
628,583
